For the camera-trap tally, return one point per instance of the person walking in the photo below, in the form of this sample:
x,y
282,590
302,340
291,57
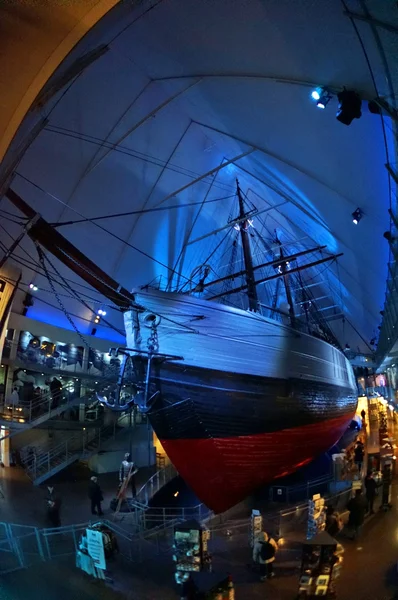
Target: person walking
x,y
264,551
370,491
357,507
96,496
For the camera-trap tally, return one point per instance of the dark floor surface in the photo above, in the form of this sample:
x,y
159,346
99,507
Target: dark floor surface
x,y
25,504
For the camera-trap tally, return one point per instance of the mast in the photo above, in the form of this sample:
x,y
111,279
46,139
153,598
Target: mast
x,y
286,282
247,255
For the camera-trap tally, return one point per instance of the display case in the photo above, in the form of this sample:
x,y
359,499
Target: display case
x,y
256,526
320,567
190,550
316,516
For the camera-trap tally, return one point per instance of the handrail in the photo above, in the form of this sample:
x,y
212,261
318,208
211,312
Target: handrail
x,y
35,411
154,483
37,465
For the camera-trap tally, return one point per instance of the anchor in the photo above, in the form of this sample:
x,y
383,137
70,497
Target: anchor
x,y
142,394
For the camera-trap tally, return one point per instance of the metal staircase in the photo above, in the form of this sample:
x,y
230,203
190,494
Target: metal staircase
x,y
43,464
30,414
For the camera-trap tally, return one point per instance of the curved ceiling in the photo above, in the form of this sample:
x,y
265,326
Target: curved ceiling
x,y
186,97
35,40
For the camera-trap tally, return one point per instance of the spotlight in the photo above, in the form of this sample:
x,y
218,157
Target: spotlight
x,y
33,287
321,96
357,216
316,94
349,107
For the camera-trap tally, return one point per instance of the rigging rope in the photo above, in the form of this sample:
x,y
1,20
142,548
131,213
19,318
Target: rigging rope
x,y
67,315
125,242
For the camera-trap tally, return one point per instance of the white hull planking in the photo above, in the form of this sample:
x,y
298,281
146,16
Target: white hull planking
x,y
215,336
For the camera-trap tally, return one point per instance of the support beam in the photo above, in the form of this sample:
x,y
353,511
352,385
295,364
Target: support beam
x,y
211,172
392,172
260,77
371,21
144,120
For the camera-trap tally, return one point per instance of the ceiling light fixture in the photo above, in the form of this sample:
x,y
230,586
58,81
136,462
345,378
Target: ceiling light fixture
x,y
350,104
357,216
321,96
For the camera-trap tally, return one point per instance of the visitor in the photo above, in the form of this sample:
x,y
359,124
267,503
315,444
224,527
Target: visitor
x,y
264,551
358,456
371,490
333,523
96,496
14,398
55,388
357,507
53,508
363,414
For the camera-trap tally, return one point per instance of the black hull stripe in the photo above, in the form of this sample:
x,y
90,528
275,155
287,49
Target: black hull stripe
x,y
189,407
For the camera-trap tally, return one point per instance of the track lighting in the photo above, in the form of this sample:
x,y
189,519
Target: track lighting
x,y
357,216
349,107
321,96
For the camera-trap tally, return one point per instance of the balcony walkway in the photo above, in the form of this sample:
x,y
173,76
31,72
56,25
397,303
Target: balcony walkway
x,y
30,414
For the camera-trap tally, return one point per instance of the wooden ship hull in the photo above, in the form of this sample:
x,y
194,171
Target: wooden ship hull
x,y
251,400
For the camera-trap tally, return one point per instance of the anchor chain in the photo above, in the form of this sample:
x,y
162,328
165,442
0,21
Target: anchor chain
x,y
153,340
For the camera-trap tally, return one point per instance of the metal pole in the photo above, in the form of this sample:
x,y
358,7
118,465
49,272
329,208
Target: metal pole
x,y
131,432
147,381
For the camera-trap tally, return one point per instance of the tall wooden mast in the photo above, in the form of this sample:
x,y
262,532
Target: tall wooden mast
x,y
247,254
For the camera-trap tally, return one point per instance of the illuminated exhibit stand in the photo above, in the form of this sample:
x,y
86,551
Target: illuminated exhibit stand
x,y
320,567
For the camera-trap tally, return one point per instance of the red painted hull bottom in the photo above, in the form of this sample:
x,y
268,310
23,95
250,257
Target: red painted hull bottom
x,y
224,471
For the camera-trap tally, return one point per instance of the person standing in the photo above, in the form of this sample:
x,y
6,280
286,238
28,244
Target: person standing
x,y
333,522
53,508
370,487
96,496
358,456
55,389
264,551
14,398
357,507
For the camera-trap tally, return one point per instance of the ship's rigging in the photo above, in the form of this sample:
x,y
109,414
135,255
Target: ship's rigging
x,y
284,264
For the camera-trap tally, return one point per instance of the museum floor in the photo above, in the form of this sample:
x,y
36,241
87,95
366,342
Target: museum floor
x,y
369,570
